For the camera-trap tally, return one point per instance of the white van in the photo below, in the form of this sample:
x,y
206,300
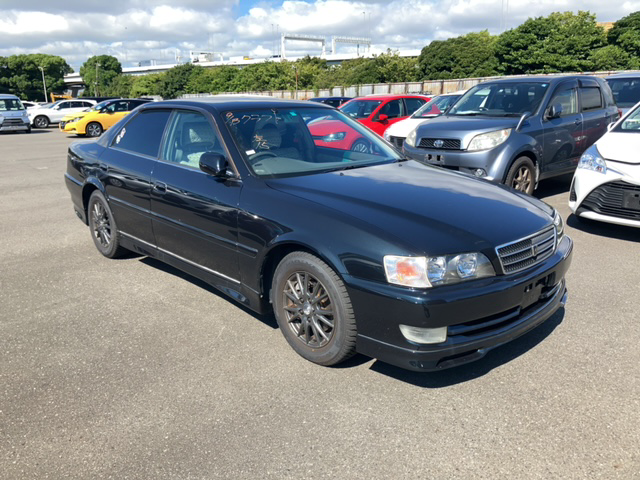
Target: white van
x,y
13,115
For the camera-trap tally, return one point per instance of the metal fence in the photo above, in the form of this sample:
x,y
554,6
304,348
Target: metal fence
x,y
431,87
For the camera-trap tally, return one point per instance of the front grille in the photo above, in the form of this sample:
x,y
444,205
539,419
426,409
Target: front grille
x,y
12,121
608,199
527,252
447,143
396,141
62,124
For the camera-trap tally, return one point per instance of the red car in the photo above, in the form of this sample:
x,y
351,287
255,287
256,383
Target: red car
x,y
331,133
378,112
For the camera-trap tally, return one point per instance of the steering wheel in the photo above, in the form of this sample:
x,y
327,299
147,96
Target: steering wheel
x,y
256,156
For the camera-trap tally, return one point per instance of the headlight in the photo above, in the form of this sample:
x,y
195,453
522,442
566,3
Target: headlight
x,y
386,135
333,137
591,160
485,141
72,120
559,224
411,138
423,272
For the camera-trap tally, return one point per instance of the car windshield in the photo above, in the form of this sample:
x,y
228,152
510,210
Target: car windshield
x,y
301,141
631,123
626,91
435,106
501,99
10,105
360,108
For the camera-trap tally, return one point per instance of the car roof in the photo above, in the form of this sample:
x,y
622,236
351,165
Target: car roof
x,y
238,102
552,79
624,75
8,95
386,96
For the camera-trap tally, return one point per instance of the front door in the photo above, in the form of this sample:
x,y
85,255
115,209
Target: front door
x,y
195,215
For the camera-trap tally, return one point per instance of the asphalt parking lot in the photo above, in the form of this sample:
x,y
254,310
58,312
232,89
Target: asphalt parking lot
x,y
131,369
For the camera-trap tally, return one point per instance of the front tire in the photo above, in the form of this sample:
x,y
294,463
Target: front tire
x,y
41,121
522,175
103,227
94,129
313,309
361,146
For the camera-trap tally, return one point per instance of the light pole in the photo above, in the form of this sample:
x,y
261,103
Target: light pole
x,y
97,66
44,83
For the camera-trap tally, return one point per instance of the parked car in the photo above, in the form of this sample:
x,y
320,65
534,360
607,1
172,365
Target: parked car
x,y
333,101
379,112
397,132
94,122
606,185
77,115
42,117
626,89
29,105
13,115
517,131
345,247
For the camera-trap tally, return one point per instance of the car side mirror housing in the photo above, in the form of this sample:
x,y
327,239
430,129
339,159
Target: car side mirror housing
x,y
554,111
214,164
383,117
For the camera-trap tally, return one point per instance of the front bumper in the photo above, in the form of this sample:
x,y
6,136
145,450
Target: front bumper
x,y
14,127
604,197
480,315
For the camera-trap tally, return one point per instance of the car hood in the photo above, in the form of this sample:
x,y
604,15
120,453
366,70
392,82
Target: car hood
x,y
71,116
419,206
404,127
620,146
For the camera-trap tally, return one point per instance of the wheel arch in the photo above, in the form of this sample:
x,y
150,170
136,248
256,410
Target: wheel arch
x,y
89,187
523,153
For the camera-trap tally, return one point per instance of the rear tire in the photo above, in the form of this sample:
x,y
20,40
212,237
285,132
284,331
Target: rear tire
x,y
522,175
361,146
104,230
41,121
313,309
94,129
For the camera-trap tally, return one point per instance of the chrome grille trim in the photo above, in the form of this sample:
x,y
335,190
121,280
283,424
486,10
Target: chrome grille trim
x,y
527,252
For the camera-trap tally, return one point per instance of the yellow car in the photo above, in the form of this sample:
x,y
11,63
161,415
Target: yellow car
x,y
76,115
94,122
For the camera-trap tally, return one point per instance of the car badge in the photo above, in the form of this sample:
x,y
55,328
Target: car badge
x,y
438,143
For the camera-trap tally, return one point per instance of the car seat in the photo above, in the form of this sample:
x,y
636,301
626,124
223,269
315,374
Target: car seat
x,y
197,138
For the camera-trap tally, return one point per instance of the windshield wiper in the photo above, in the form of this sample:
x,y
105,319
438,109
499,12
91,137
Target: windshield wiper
x,y
467,114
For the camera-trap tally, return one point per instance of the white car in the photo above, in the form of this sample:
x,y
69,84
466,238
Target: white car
x,y
606,185
397,132
42,117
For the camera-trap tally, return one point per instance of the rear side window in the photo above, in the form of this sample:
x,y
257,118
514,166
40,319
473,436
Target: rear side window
x,y
413,104
143,133
591,98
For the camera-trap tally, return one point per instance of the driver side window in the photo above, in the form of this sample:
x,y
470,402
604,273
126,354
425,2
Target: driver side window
x,y
190,136
568,98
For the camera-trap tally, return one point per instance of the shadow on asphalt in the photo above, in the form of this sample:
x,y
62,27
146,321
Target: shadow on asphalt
x,y
268,320
553,186
603,229
471,371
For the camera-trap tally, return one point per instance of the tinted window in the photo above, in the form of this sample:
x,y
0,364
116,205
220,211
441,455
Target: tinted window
x,y
626,91
190,135
64,105
143,133
591,98
631,123
393,109
501,99
86,104
360,108
568,99
413,104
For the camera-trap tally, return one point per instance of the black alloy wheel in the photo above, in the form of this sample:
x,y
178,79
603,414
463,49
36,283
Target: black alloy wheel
x,y
41,122
313,309
521,175
94,129
103,227
361,146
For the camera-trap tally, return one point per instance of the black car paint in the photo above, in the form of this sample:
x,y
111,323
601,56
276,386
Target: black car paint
x,y
232,231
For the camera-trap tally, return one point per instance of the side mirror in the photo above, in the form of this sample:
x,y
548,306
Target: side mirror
x,y
383,117
214,164
554,111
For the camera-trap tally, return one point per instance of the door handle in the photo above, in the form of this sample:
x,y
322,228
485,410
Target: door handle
x,y
160,188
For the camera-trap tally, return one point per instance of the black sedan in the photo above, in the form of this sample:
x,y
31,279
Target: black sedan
x,y
353,251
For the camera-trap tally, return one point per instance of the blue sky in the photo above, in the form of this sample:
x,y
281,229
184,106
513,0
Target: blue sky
x,y
138,30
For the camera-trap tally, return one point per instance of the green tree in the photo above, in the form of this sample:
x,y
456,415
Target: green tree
x,y
174,82
212,80
561,42
613,57
625,34
120,86
470,55
145,85
21,74
98,72
264,77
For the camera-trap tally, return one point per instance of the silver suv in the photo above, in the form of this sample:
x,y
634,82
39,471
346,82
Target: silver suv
x,y
13,115
517,131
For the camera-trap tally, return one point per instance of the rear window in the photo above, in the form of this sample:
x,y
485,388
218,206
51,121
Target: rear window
x,y
626,91
591,98
143,133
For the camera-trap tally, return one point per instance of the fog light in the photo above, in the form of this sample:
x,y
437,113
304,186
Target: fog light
x,y
424,335
478,172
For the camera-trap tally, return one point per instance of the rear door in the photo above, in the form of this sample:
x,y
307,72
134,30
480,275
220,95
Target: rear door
x,y
594,112
563,140
195,215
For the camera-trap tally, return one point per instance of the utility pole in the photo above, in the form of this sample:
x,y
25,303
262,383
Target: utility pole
x,y
97,66
44,83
